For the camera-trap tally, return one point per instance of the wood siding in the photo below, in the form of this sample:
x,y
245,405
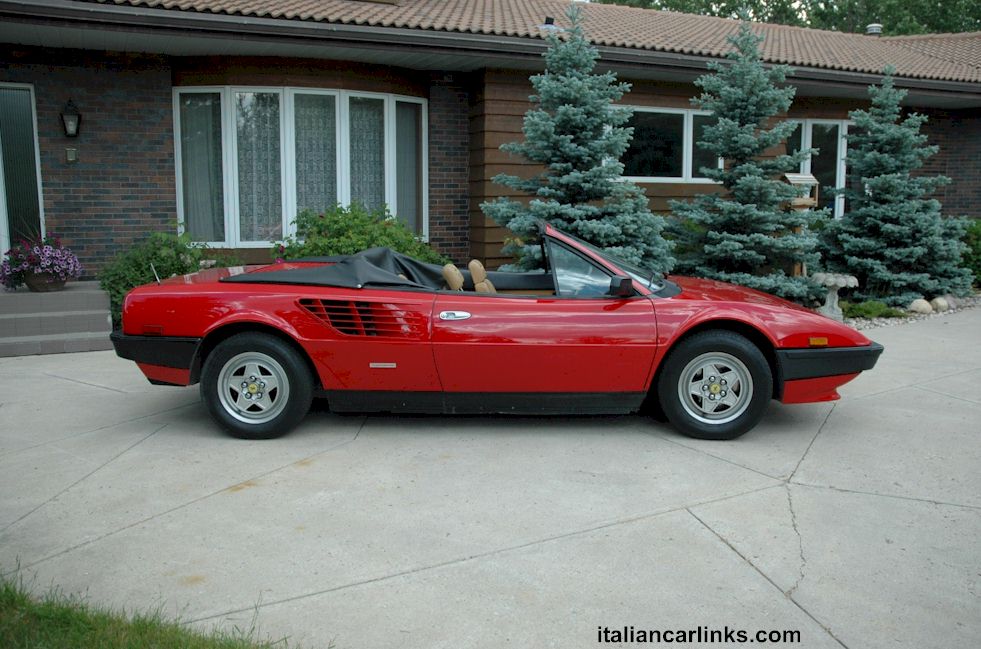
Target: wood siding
x,y
496,116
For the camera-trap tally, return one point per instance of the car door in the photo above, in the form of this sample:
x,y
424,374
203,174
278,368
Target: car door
x,y
377,341
579,341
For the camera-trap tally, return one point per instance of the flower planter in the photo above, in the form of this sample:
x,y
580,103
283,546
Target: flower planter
x,y
43,282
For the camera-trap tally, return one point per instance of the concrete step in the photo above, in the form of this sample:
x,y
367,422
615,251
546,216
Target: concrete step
x,y
75,319
54,344
54,322
76,296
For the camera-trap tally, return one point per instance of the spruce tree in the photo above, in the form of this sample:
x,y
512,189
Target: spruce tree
x,y
578,135
746,235
893,236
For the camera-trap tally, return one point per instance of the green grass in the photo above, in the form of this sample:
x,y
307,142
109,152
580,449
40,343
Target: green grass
x,y
870,309
56,621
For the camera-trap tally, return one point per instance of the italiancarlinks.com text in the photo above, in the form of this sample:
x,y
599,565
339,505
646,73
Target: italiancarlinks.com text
x,y
699,634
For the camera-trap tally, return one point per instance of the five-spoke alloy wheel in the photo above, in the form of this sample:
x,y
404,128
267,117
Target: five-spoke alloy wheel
x,y
715,385
256,386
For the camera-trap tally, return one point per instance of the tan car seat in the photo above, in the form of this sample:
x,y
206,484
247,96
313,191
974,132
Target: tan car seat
x,y
479,275
453,277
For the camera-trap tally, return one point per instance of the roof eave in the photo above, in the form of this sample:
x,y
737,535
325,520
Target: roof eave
x,y
493,47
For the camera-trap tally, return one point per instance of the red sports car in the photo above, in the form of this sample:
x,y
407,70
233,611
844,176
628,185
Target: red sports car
x,y
382,332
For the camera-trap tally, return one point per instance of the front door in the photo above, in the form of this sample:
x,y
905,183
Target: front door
x,y
20,205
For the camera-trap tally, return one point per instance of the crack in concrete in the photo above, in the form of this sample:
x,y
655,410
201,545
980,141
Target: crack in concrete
x,y
481,555
83,478
947,394
716,457
800,543
177,507
917,384
51,442
929,501
807,450
766,577
80,382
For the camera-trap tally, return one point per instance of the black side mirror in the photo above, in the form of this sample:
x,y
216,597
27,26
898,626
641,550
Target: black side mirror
x,y
621,286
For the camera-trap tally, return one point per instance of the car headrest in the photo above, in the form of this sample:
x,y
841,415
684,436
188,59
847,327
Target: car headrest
x,y
477,271
453,277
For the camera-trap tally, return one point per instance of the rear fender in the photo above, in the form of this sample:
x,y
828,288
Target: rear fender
x,y
241,322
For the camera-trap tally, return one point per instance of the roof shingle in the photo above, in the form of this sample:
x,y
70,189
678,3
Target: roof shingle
x,y
950,57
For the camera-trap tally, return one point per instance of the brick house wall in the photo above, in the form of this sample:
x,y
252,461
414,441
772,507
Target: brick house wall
x,y
449,154
122,186
958,134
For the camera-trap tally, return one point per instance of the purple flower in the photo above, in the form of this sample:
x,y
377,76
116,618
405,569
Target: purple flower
x,y
45,254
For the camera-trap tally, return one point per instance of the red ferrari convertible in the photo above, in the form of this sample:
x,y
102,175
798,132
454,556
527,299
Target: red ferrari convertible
x,y
382,332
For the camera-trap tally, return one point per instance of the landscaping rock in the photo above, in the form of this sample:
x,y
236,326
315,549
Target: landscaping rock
x,y
968,302
920,306
952,301
939,304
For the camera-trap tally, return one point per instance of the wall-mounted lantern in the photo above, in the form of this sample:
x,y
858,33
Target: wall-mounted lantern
x,y
71,119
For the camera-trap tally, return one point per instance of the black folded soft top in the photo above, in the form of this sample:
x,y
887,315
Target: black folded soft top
x,y
375,267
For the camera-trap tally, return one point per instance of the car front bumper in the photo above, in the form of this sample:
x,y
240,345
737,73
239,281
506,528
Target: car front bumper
x,y
812,363
815,374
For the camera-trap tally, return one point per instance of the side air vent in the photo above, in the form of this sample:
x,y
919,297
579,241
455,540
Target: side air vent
x,y
365,318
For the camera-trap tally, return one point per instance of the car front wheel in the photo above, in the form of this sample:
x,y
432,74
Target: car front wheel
x,y
256,386
715,385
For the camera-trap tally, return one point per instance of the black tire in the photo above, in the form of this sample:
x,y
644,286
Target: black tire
x,y
256,386
729,404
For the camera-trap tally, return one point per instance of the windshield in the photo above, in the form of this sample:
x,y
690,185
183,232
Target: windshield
x,y
641,274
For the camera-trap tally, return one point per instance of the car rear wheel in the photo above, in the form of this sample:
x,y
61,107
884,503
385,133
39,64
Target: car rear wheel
x,y
715,385
256,386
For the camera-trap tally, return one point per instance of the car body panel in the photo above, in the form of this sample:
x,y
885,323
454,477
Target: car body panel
x,y
527,344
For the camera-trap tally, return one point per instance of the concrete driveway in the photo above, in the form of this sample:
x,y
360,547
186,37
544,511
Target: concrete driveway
x,y
857,524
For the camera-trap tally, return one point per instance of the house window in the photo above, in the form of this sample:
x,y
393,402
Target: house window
x,y
249,159
828,165
664,146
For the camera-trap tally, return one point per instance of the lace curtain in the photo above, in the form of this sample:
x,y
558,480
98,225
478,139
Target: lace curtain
x,y
260,205
200,115
316,152
367,121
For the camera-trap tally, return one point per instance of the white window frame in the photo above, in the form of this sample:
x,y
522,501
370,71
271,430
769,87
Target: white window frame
x,y
4,222
287,116
688,148
807,137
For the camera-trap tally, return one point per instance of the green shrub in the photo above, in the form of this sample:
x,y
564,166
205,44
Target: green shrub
x,y
347,230
170,255
870,309
972,256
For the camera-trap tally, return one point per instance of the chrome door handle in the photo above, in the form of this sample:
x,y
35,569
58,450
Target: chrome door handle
x,y
453,315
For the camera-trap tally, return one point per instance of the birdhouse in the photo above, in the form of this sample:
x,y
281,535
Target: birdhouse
x,y
807,190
